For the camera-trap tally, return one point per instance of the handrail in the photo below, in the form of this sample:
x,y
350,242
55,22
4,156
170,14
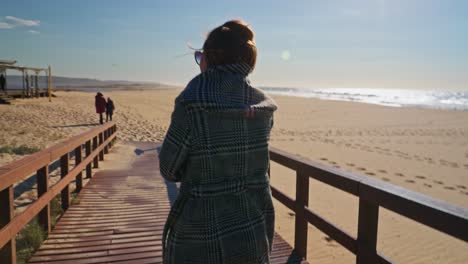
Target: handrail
x,y
372,194
97,142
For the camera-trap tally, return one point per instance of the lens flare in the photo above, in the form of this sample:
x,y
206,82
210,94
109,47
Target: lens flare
x,y
285,55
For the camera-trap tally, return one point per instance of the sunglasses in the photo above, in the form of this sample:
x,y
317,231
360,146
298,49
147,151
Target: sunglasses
x,y
198,56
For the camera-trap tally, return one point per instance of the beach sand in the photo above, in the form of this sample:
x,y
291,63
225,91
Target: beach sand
x,y
420,149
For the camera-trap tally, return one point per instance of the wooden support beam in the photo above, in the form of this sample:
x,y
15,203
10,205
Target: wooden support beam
x,y
106,135
101,140
89,170
302,200
79,177
7,212
42,188
49,88
368,220
96,159
66,190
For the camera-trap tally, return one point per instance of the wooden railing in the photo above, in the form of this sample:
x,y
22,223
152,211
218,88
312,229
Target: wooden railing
x,y
372,194
96,143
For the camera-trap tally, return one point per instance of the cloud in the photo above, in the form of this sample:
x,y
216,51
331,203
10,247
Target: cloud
x,y
24,22
34,31
4,25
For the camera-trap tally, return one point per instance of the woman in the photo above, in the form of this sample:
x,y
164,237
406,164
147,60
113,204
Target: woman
x,y
100,104
217,147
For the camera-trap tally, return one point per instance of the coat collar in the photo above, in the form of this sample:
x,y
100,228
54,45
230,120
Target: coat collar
x,y
237,68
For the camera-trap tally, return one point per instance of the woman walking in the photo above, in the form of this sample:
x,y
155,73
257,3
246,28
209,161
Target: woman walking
x,y
100,104
217,147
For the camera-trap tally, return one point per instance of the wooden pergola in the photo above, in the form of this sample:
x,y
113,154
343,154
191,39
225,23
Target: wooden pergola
x,y
28,83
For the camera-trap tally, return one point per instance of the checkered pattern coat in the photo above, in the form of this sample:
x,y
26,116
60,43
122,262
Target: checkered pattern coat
x,y
217,147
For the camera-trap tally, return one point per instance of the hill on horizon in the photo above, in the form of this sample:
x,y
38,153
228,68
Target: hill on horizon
x,y
60,82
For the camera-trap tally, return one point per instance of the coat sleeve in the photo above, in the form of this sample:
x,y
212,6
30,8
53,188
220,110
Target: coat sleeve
x,y
174,150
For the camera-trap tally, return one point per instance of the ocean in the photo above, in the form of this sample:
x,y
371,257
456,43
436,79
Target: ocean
x,y
452,100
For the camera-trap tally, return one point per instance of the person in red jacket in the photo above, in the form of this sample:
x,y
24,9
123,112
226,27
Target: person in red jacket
x,y
100,104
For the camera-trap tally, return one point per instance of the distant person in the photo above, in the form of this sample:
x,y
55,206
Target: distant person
x,y
109,109
217,147
2,82
100,103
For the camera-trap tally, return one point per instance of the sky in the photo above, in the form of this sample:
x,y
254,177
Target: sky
x,y
306,44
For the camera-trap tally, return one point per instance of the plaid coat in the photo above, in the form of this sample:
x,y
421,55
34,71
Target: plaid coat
x,y
217,147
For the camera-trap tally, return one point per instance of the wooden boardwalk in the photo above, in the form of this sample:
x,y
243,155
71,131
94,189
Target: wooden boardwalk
x,y
120,215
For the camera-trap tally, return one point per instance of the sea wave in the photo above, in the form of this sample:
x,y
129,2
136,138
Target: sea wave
x,y
454,100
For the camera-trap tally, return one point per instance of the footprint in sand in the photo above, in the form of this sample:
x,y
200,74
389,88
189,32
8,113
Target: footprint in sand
x,y
439,182
399,174
352,165
361,169
461,187
386,179
325,159
332,162
449,188
382,171
410,181
465,165
428,185
336,166
420,177
370,173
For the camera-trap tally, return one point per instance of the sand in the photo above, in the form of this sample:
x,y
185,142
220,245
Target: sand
x,y
420,149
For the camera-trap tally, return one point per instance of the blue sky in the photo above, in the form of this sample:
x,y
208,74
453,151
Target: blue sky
x,y
347,43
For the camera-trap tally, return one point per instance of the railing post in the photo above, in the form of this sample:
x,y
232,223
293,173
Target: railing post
x,y
110,133
368,221
302,199
101,140
96,159
114,130
42,188
66,190
79,177
106,136
89,170
7,212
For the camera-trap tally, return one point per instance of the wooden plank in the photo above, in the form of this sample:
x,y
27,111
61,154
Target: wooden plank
x,y
283,198
300,226
342,180
23,168
70,144
440,215
22,219
7,212
127,231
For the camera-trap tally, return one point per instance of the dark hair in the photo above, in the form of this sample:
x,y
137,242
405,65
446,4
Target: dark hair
x,y
232,42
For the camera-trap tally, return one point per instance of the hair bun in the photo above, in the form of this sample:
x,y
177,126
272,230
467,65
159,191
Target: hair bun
x,y
241,29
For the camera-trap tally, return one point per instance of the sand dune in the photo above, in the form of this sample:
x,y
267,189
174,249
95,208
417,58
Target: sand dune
x,y
420,149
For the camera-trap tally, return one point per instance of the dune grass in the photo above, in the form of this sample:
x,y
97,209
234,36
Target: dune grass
x,y
32,235
19,150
